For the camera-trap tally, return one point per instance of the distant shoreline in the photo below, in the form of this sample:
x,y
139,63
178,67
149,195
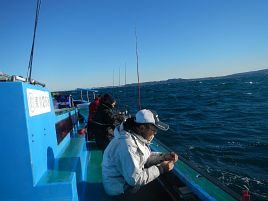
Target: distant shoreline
x,y
177,80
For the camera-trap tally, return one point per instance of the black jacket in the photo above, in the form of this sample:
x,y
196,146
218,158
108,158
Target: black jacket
x,y
103,124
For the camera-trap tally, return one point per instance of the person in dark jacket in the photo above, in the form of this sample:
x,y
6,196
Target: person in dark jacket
x,y
105,120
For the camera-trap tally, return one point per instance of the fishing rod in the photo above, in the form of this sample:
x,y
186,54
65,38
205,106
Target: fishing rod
x,y
119,91
30,66
125,89
138,75
125,73
117,96
113,82
119,77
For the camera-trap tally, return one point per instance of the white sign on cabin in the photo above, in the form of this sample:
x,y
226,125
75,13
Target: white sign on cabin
x,y
38,102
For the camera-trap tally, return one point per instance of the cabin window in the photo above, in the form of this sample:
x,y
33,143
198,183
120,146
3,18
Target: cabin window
x,y
65,126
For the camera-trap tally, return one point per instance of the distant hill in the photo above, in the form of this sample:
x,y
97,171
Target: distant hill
x,y
176,80
250,73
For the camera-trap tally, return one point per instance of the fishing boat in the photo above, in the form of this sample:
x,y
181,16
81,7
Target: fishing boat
x,y
45,158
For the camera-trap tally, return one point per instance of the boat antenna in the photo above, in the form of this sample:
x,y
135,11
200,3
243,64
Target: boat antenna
x,y
138,75
29,72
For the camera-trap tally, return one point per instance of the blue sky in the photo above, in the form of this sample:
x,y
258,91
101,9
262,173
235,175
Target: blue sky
x,y
80,43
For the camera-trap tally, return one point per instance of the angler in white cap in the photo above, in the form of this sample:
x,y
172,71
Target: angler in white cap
x,y
128,163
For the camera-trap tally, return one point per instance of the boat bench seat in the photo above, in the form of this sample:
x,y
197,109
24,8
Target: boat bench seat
x,y
73,158
57,185
65,172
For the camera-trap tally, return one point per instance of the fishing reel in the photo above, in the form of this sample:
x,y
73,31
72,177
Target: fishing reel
x,y
125,113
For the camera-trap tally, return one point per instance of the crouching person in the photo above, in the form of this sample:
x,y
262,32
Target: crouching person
x,y
128,164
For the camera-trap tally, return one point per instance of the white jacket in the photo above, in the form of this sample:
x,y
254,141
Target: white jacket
x,y
128,161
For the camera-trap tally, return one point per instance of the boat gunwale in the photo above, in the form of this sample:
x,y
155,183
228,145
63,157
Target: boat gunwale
x,y
191,165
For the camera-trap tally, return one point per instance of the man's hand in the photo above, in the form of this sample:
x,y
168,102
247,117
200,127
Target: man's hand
x,y
165,166
172,157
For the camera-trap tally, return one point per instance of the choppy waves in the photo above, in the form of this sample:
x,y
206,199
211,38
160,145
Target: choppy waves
x,y
221,125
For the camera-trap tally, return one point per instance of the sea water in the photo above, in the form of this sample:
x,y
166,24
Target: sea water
x,y
221,125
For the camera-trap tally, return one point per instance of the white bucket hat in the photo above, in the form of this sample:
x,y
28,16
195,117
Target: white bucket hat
x,y
150,117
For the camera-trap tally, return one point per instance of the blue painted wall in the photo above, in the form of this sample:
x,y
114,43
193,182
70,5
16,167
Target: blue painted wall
x,y
41,132
15,160
27,142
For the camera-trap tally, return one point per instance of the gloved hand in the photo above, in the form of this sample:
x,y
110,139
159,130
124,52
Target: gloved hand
x,y
165,166
172,156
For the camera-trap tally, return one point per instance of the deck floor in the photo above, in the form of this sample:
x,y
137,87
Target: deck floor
x,y
92,188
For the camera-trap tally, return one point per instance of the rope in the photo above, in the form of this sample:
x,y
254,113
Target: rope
x,y
29,72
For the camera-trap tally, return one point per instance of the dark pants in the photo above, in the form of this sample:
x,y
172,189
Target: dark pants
x,y
101,141
90,134
150,192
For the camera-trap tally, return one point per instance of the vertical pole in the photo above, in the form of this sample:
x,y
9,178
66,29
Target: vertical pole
x,y
138,75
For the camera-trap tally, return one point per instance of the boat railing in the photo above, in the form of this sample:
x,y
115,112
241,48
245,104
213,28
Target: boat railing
x,y
7,78
93,91
200,173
